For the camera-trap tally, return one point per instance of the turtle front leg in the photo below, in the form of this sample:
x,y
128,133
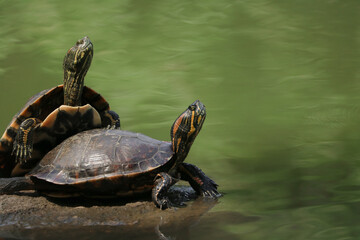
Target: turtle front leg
x,y
163,182
110,120
23,144
201,183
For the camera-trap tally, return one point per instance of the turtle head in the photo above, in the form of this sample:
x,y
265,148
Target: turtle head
x,y
186,127
78,57
76,64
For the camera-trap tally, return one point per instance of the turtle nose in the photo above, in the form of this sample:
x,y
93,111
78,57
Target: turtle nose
x,y
84,41
198,104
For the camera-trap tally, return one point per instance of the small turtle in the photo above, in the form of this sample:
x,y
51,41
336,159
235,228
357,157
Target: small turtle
x,y
54,114
113,162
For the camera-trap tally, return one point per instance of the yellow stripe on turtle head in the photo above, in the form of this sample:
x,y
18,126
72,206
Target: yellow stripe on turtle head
x,y
192,128
175,129
76,56
199,119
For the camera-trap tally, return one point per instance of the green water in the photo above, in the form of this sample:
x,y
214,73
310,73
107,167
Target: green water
x,y
280,80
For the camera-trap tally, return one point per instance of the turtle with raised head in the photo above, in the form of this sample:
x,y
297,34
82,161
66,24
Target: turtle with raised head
x,y
113,162
54,114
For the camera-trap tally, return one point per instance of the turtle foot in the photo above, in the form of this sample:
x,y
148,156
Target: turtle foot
x,y
163,181
110,120
23,144
209,188
165,203
202,184
22,152
211,194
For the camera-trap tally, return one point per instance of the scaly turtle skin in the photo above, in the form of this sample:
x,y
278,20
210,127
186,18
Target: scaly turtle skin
x,y
54,114
113,162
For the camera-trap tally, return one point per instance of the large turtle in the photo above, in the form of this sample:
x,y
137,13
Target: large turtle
x,y
55,114
113,162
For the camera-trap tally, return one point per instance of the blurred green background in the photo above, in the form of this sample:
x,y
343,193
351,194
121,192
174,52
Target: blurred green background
x,y
280,80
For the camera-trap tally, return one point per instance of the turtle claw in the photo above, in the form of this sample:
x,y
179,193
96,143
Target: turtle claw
x,y
22,153
165,203
211,194
110,120
209,190
111,127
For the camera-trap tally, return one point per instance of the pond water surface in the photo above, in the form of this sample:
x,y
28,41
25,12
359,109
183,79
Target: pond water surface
x,y
280,80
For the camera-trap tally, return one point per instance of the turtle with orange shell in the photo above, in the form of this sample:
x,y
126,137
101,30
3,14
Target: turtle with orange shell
x,y
55,114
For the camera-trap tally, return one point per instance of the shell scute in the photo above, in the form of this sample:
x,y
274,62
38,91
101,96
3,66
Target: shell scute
x,y
95,99
54,174
152,162
130,167
134,149
161,157
165,147
144,165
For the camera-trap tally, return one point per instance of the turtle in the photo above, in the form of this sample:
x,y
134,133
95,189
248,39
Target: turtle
x,y
54,114
118,163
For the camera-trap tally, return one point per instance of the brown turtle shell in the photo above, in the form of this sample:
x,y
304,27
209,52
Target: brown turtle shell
x,y
111,161
41,106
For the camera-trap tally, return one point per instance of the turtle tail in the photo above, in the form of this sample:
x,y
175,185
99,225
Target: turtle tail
x,y
15,184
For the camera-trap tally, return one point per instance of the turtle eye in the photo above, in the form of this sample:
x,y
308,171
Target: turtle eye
x,y
192,107
80,41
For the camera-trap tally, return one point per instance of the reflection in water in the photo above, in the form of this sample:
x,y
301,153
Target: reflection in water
x,y
193,223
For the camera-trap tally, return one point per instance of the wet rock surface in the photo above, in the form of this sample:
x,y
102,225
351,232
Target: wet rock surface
x,y
28,215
